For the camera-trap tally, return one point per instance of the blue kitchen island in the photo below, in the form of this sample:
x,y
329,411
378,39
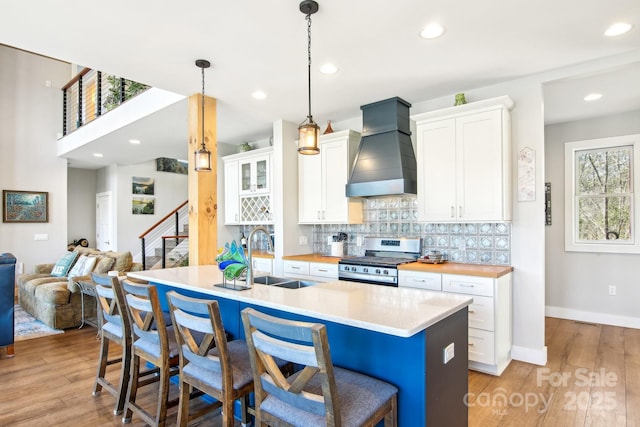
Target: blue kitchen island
x,y
412,338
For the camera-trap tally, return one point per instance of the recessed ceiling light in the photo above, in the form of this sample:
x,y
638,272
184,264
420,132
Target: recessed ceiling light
x,y
134,141
328,69
617,29
432,31
259,94
593,97
97,154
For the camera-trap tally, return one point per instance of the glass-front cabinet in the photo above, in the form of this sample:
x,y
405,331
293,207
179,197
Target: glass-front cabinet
x,y
254,174
248,187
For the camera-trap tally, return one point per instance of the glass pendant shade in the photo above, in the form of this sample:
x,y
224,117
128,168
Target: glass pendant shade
x,y
203,159
308,134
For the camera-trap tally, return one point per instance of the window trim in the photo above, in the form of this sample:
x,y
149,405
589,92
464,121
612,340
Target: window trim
x,y
571,242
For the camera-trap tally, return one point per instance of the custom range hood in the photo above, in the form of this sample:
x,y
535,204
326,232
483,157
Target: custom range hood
x,y
385,163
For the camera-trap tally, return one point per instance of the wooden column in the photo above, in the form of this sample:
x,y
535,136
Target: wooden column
x,y
203,197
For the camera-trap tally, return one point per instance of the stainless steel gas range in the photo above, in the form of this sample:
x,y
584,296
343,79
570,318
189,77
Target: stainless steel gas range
x,y
379,265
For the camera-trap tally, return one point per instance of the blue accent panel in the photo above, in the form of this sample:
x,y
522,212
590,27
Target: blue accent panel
x,y
402,362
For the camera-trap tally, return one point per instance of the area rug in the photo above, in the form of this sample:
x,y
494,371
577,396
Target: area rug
x,y
27,326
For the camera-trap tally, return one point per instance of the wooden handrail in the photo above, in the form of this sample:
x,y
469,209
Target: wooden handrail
x,y
162,220
76,78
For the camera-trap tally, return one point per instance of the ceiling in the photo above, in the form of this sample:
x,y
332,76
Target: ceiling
x,y
262,45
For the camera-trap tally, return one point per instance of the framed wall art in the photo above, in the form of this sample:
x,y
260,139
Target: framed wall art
x,y
143,206
25,206
144,186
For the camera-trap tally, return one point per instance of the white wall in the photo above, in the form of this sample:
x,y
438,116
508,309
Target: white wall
x,y
170,191
30,118
576,282
81,205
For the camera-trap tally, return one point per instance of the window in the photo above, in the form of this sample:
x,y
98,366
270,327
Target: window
x,y
601,206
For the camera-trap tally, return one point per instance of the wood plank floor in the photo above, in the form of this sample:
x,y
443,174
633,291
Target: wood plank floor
x,y
592,378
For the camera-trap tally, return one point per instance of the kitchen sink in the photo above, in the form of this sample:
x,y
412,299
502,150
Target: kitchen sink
x,y
282,282
295,284
269,280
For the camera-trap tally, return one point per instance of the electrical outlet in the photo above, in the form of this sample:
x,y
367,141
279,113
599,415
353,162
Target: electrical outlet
x,y
612,290
40,237
358,240
448,353
303,240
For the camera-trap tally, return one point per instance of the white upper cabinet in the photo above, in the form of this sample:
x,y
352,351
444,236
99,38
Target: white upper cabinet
x,y
247,184
255,174
464,162
322,179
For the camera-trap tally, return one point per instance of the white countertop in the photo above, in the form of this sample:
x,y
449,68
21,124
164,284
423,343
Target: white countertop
x,y
396,311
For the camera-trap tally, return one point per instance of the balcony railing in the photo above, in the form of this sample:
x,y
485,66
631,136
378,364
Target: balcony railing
x,y
92,93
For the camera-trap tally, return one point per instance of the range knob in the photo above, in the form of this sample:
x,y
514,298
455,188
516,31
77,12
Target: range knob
x,y
353,269
377,271
385,272
365,270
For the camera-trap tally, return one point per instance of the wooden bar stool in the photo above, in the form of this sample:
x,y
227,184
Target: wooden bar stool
x,y
317,395
153,342
208,362
114,327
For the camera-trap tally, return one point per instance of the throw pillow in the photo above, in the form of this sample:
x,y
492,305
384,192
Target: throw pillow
x,y
83,266
103,264
64,264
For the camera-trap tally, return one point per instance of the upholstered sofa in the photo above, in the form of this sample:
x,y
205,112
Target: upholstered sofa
x,y
55,299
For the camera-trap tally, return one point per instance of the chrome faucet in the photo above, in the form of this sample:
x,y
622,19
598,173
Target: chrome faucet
x,y
250,250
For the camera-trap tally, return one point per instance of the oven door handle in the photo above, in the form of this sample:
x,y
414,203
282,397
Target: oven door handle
x,y
367,278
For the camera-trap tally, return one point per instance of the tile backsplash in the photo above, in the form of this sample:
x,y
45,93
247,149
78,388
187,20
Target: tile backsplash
x,y
476,243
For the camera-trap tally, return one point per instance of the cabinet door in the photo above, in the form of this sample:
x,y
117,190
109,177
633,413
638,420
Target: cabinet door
x,y
262,174
246,170
255,175
231,193
309,189
335,169
262,266
437,171
479,166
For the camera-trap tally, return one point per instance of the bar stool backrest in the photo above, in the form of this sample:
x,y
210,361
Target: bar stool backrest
x,y
112,307
147,322
302,343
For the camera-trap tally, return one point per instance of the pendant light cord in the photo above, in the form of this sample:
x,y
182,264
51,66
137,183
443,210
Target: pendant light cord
x,y
203,146
309,61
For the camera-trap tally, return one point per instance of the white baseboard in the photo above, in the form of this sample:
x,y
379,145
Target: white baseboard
x,y
537,356
593,317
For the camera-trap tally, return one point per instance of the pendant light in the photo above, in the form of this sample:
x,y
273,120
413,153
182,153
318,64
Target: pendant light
x,y
308,131
202,156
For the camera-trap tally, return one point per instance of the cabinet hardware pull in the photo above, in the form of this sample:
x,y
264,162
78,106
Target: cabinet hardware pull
x,y
460,211
319,215
470,344
453,212
323,270
466,285
295,268
419,280
471,311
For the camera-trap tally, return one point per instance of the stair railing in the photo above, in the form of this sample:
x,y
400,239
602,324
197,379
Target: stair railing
x,y
166,228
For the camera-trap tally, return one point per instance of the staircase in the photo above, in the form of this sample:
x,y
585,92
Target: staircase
x,y
165,244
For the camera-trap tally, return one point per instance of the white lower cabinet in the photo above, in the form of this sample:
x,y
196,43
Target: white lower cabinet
x,y
314,271
420,280
262,266
490,331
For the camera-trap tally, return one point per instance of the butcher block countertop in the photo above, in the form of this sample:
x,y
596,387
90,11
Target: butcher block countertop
x,y
493,271
262,254
313,258
482,270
